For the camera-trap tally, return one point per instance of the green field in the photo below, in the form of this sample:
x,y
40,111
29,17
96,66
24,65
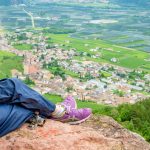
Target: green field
x,y
9,61
97,5
133,43
70,73
23,46
127,57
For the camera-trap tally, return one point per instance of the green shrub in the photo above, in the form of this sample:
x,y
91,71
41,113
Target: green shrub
x,y
28,81
125,112
136,117
119,92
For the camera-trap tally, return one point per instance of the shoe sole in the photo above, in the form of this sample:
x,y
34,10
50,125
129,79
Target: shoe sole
x,y
80,121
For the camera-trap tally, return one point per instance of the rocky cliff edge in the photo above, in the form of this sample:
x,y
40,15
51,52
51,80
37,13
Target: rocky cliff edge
x,y
98,133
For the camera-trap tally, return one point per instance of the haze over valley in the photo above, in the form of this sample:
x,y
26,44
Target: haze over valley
x,y
106,20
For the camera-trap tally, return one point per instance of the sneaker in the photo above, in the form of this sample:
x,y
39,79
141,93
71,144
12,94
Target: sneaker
x,y
76,116
69,103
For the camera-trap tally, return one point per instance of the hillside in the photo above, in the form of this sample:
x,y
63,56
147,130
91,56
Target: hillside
x,y
119,2
11,2
135,2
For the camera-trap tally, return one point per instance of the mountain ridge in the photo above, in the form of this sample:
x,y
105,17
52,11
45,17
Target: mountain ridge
x,y
121,2
11,2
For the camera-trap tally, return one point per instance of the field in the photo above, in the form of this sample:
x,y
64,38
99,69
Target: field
x,y
9,61
88,20
23,46
127,57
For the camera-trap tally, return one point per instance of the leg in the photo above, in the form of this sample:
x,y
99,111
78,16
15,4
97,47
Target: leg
x,y
14,91
12,117
6,91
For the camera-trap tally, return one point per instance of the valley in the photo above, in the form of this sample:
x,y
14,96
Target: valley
x,y
97,52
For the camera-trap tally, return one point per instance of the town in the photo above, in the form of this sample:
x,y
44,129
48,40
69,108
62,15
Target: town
x,y
54,69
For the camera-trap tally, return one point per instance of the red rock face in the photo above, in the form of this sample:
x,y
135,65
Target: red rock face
x,y
103,134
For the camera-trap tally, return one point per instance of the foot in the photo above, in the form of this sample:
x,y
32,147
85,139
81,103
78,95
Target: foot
x,y
69,103
76,116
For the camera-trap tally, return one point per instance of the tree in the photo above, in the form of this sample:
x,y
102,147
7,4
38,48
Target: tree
x,y
69,88
28,81
119,92
22,37
88,76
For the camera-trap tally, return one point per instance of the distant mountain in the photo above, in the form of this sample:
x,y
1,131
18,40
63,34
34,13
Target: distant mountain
x,y
11,2
133,2
74,1
120,2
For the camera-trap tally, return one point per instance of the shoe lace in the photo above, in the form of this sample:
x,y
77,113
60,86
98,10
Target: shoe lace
x,y
67,106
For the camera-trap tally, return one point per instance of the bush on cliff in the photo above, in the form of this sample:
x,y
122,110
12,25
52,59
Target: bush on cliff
x,y
136,117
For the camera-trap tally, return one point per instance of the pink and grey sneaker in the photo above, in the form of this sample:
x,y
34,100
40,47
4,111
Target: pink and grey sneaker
x,y
76,116
69,103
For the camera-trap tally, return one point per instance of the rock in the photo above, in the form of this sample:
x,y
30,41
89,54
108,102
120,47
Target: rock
x,y
109,128
98,133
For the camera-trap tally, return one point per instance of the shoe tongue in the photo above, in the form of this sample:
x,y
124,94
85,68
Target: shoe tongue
x,y
59,111
67,107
